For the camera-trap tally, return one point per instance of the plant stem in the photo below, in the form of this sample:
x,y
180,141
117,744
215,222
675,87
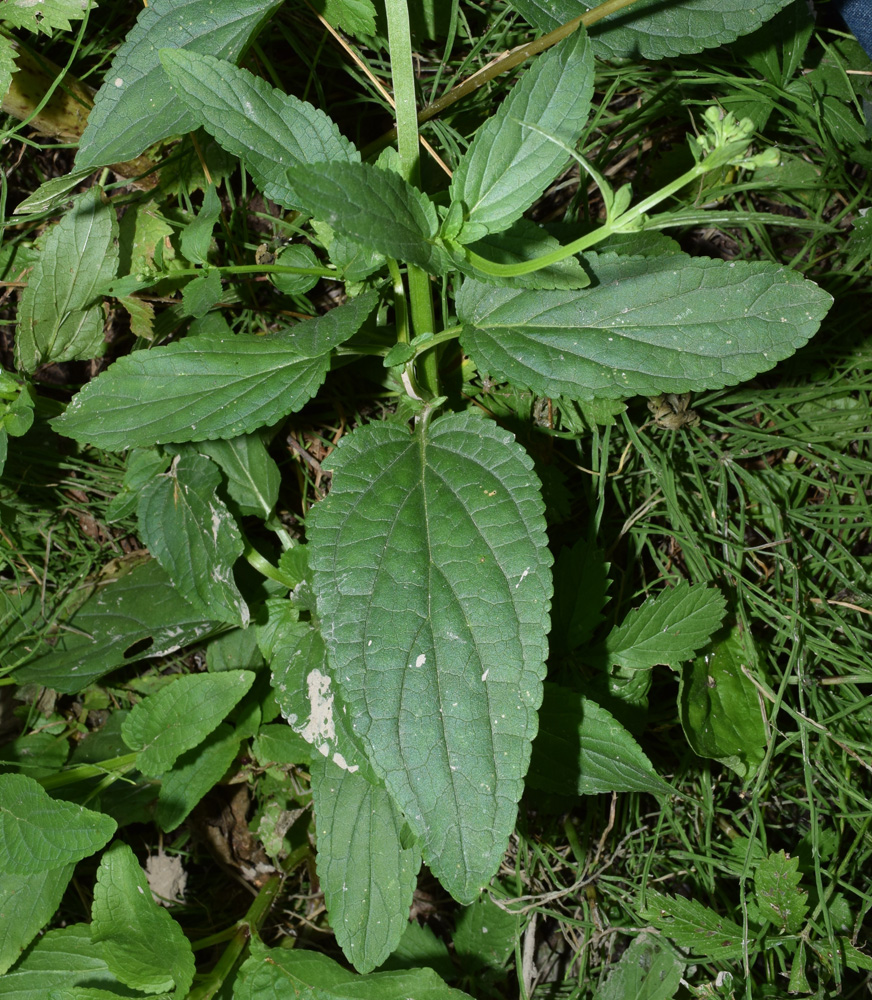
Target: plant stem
x,y
248,927
622,223
403,76
511,59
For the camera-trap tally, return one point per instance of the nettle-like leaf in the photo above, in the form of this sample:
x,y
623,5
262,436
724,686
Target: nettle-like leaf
x,y
210,387
60,959
136,615
650,325
27,903
374,206
692,925
582,749
38,833
366,872
142,944
61,316
282,972
137,105
193,535
646,971
179,716
267,129
357,17
432,575
776,888
193,774
45,16
655,31
667,629
719,705
509,165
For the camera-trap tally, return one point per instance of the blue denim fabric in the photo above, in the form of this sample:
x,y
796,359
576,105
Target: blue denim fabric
x,y
857,14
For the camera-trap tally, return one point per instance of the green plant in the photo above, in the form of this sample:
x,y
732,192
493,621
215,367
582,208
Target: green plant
x,y
407,637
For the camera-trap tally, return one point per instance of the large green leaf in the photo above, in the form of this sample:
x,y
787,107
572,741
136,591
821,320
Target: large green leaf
x,y
267,129
209,387
252,475
61,316
376,207
646,971
653,29
142,944
509,164
137,105
38,833
692,925
193,535
650,325
280,973
60,958
433,582
366,873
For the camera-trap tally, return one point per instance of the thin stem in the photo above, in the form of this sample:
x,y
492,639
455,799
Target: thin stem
x,y
622,223
248,927
403,75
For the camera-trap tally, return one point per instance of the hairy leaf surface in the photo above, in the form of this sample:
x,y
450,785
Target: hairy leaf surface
x,y
267,129
667,324
137,105
433,584
374,206
366,873
654,30
205,387
509,165
142,944
179,716
190,531
61,316
38,832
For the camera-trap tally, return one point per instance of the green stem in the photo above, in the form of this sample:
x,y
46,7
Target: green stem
x,y
83,772
403,76
622,223
248,927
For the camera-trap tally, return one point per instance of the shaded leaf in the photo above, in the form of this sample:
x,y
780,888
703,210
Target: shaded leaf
x,y
61,316
581,749
646,971
194,537
60,958
252,477
430,565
